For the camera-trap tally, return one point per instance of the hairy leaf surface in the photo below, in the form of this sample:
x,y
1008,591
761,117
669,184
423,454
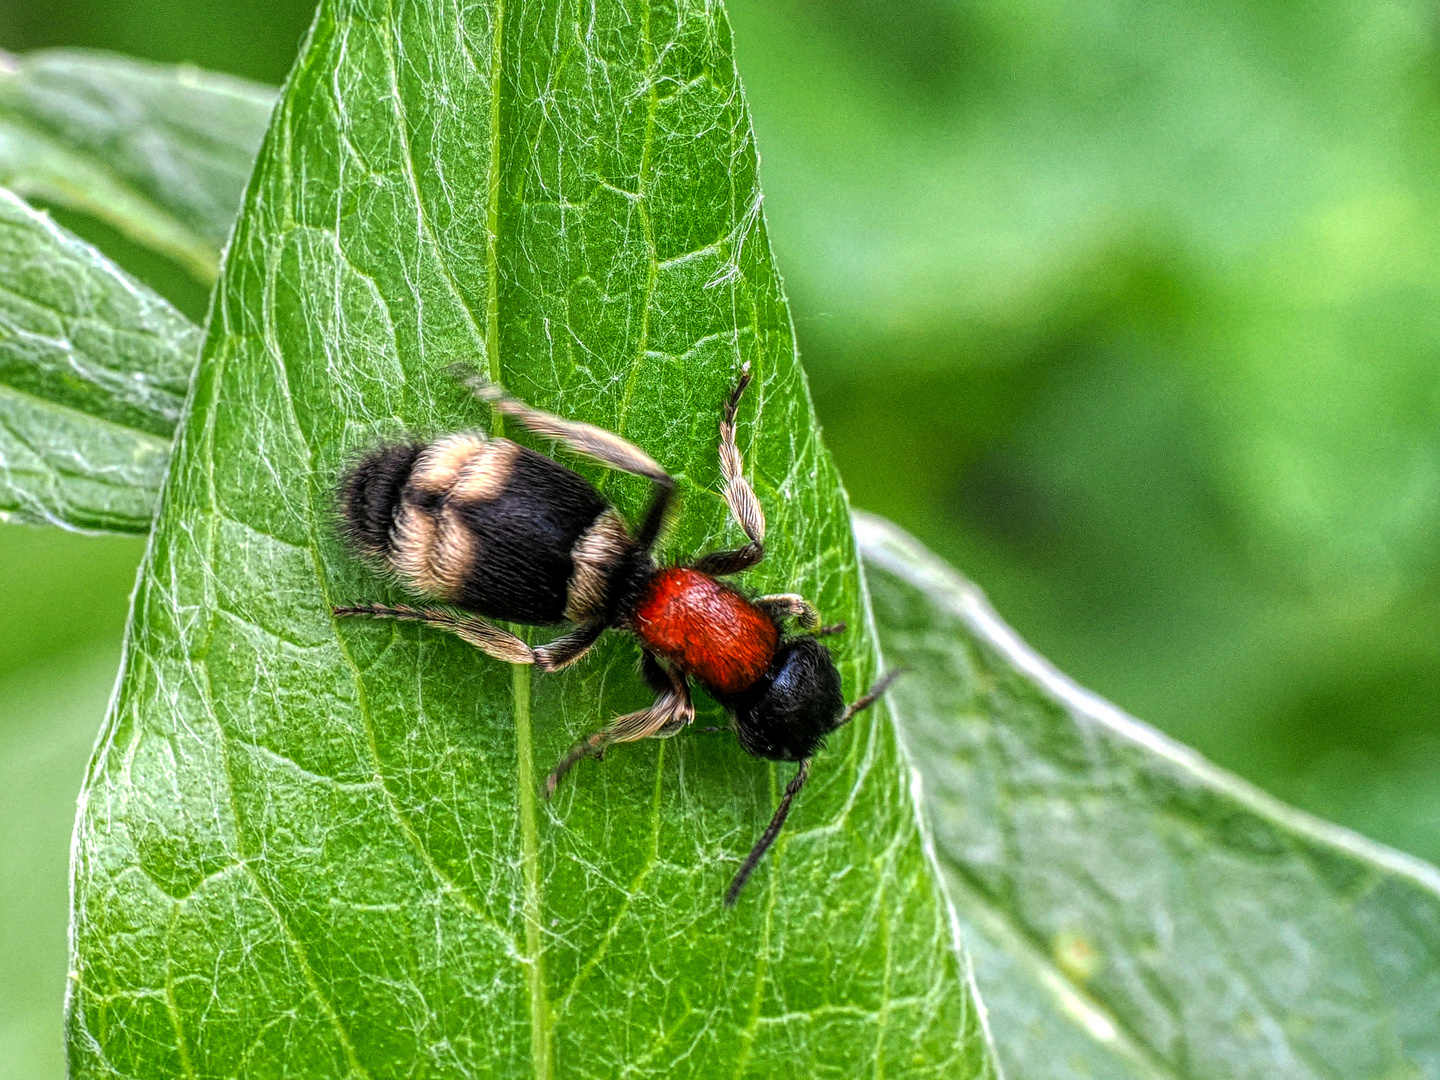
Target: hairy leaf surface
x,y
160,153
93,371
1134,912
312,848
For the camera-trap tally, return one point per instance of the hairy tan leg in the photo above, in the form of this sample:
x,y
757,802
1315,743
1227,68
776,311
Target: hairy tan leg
x,y
739,495
671,711
484,635
594,442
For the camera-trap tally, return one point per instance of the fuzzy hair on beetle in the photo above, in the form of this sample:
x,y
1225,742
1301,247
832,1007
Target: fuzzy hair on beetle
x,y
486,531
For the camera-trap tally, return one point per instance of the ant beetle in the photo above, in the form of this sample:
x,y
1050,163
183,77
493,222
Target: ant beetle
x,y
496,531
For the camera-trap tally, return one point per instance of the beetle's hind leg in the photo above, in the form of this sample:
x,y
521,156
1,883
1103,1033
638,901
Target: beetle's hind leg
x,y
486,636
671,711
593,442
739,495
565,650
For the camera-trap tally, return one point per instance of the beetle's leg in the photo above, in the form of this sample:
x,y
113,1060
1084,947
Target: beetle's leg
x,y
671,711
794,606
487,637
593,442
790,606
484,635
738,493
565,650
668,679
733,561
658,677
740,496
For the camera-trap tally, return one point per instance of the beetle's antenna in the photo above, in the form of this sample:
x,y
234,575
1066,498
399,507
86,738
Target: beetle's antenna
x,y
776,823
871,697
793,788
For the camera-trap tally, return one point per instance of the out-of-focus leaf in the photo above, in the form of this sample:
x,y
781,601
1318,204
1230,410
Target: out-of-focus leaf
x,y
316,849
1180,262
48,716
1133,911
1081,179
93,371
62,592
160,153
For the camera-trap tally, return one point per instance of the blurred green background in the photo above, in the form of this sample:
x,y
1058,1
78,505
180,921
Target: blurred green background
x,y
1131,310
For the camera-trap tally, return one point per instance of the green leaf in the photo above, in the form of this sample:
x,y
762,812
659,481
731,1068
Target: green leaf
x,y
93,365
93,371
317,849
160,153
1133,911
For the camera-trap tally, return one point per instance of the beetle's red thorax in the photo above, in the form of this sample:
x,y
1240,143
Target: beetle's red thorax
x,y
707,629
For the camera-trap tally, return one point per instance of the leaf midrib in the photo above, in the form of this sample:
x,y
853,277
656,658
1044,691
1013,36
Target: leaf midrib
x,y
541,1015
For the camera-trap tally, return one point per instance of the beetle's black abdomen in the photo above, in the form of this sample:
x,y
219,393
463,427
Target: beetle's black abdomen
x,y
483,524
526,535
370,496
786,716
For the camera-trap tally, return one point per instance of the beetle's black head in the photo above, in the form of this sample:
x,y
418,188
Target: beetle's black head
x,y
787,714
